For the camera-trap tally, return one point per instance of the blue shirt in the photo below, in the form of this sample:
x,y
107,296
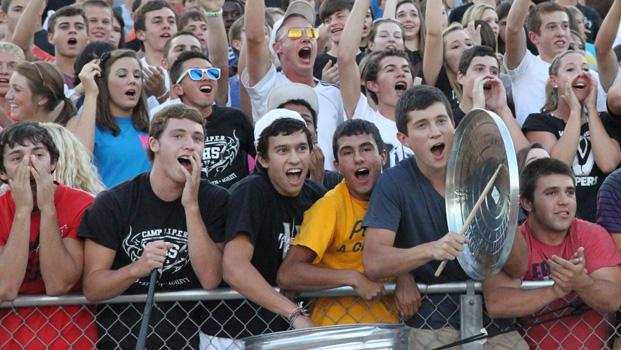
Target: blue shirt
x,y
120,158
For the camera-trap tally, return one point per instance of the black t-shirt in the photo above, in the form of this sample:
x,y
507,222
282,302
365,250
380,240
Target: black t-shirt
x,y
443,83
588,175
271,221
126,218
322,60
416,60
229,140
458,115
458,13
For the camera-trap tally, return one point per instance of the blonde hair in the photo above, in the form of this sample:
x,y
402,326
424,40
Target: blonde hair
x,y
475,13
552,95
10,48
452,77
74,167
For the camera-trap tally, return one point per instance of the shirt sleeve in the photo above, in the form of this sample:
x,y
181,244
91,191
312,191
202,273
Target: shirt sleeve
x,y
101,222
318,227
84,202
609,203
599,249
246,211
260,91
214,212
384,210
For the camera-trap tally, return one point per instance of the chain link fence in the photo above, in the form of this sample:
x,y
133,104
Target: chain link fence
x,y
220,318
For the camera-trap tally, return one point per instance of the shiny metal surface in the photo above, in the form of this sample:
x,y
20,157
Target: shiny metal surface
x,y
481,143
344,337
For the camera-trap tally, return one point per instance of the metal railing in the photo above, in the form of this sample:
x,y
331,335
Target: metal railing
x,y
18,331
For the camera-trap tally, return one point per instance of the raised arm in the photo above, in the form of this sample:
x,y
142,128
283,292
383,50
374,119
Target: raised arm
x,y
606,150
515,37
83,127
60,258
27,25
256,46
205,255
240,274
14,253
218,47
390,9
433,57
607,63
348,68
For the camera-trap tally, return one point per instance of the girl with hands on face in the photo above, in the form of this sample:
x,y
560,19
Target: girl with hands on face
x,y
571,130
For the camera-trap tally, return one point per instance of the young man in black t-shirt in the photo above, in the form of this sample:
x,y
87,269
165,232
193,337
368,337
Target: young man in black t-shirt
x,y
228,133
266,212
167,219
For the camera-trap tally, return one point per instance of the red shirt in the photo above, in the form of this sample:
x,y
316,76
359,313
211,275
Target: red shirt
x,y
588,330
53,327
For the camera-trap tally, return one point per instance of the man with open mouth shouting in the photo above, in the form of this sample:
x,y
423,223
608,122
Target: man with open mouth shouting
x,y
266,211
406,224
166,219
296,47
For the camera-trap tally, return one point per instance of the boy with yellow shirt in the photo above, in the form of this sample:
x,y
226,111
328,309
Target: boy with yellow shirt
x,y
327,252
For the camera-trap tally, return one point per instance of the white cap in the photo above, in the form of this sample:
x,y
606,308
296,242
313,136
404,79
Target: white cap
x,y
301,8
293,91
268,118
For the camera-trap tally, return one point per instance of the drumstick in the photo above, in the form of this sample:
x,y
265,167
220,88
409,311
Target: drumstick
x,y
472,214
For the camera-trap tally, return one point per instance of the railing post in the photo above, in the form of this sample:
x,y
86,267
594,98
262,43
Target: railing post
x,y
471,311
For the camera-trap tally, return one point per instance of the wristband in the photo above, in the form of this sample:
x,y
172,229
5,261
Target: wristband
x,y
299,311
212,14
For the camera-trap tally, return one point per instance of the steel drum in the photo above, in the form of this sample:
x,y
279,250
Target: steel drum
x,y
481,143
343,337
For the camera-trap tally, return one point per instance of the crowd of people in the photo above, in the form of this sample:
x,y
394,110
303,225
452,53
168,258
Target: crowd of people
x,y
303,144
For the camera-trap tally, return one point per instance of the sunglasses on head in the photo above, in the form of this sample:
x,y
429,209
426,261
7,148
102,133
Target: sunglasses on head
x,y
297,32
200,73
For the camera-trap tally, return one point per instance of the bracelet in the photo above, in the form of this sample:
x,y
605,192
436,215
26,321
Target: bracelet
x,y
299,311
212,14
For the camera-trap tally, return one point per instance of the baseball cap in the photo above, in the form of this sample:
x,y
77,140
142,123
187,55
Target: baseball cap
x,y
270,117
293,91
298,8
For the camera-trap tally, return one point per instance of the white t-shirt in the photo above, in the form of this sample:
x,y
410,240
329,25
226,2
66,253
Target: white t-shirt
x,y
388,131
168,102
330,115
528,84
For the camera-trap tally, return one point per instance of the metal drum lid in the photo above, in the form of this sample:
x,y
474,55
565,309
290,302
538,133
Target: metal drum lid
x,y
482,143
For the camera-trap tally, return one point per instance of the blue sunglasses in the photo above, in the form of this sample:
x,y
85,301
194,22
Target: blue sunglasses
x,y
197,74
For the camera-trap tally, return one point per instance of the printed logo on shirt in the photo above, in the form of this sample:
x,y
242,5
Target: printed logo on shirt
x,y
583,162
540,271
396,154
355,239
219,153
289,231
177,257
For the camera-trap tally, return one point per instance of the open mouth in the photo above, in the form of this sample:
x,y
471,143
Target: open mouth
x,y
72,41
487,86
294,174
401,86
437,149
4,81
185,162
579,85
130,93
206,89
362,173
305,53
560,43
165,36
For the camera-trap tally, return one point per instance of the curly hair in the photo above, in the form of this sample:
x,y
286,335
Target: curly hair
x,y
74,167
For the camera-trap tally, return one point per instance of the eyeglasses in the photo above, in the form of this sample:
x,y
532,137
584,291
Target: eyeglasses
x,y
200,73
297,32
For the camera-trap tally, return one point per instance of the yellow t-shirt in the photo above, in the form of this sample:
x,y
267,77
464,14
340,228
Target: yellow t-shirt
x,y
332,228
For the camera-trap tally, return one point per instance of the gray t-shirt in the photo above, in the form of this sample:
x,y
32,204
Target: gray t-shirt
x,y
404,201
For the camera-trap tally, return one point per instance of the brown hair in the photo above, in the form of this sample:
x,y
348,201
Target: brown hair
x,y
105,119
66,11
44,80
372,66
533,21
177,111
